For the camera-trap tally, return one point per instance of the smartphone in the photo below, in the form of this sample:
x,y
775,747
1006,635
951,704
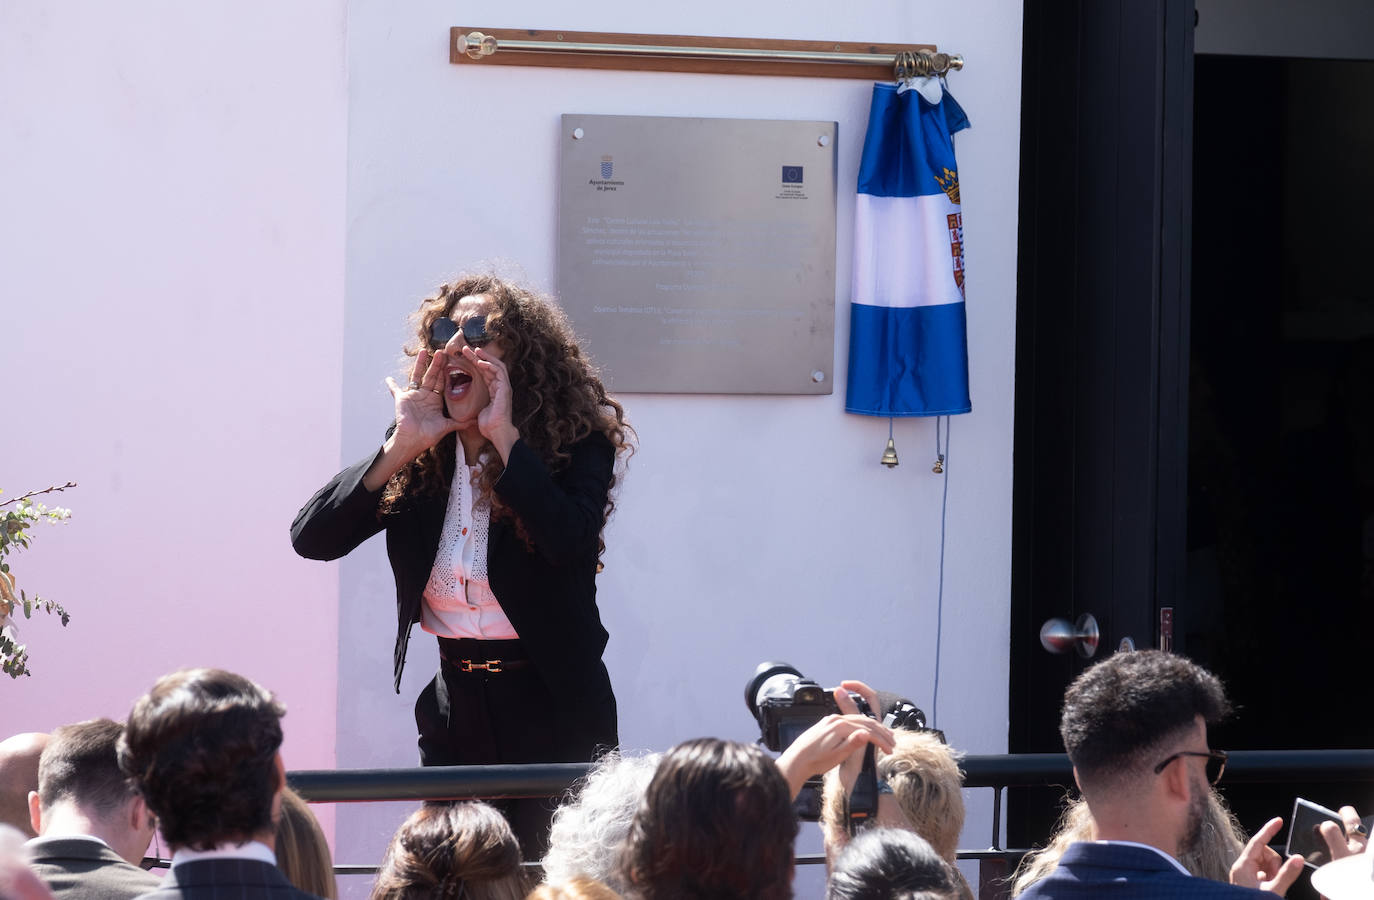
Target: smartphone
x,y
441,332
1304,836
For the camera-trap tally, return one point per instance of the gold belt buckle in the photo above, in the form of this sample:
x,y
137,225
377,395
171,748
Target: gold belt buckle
x,y
492,665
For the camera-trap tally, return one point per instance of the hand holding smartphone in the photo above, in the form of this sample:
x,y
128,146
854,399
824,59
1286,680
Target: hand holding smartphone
x,y
1304,834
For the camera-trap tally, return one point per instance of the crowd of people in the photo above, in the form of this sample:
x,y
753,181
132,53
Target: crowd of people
x,y
198,760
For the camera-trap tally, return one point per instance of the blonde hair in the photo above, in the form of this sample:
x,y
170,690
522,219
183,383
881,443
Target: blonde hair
x,y
1221,841
1075,824
923,772
574,889
302,853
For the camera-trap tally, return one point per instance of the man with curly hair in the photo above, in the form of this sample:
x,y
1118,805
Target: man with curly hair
x,y
202,748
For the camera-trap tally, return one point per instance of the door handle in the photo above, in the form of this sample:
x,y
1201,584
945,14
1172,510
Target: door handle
x,y
1058,636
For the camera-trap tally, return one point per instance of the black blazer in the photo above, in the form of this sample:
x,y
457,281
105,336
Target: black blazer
x,y
227,879
548,592
80,869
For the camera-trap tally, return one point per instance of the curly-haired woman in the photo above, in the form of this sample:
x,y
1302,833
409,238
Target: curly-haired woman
x,y
493,486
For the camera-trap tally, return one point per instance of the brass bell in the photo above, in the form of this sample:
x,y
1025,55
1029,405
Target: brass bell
x,y
939,466
890,455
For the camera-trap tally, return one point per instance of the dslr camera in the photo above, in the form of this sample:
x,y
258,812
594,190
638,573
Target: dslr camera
x,y
785,703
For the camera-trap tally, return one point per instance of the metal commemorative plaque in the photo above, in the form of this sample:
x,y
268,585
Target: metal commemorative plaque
x,y
698,255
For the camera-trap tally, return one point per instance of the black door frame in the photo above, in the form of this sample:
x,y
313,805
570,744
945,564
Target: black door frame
x,y
1099,496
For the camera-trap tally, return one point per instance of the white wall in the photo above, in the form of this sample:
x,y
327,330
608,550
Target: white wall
x,y
171,275
748,528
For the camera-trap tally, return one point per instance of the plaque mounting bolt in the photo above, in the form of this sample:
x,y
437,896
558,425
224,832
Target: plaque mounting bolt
x,y
823,140
818,376
578,133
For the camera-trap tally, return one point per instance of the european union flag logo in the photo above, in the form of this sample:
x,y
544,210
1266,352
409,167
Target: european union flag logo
x,y
606,167
791,174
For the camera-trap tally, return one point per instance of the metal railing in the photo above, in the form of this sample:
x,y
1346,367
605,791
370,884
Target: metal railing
x,y
995,772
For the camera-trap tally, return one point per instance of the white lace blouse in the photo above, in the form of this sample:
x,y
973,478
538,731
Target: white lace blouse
x,y
458,601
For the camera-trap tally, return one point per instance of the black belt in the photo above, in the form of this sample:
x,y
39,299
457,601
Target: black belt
x,y
468,655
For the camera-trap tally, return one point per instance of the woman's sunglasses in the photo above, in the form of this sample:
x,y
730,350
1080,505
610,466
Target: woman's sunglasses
x,y
475,332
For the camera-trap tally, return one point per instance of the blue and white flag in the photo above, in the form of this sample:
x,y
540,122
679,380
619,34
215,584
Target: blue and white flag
x,y
908,341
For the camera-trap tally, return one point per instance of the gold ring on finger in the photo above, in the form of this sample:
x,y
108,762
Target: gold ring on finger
x,y
437,391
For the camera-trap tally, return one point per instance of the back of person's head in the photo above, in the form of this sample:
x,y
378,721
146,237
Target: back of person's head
x,y
201,747
302,853
18,775
891,864
80,766
574,889
716,822
451,850
587,831
923,774
1121,712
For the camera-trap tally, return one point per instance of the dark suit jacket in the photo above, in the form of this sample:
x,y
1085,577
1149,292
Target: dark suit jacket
x,y
78,869
548,592
1089,869
227,879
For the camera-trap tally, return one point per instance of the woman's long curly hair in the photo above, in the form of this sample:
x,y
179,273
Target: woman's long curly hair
x,y
557,397
452,850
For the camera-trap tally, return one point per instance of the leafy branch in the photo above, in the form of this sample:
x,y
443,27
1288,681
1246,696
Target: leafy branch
x,y
15,536
46,490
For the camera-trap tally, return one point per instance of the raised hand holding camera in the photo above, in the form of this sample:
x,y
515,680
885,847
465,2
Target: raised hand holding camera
x,y
836,740
817,730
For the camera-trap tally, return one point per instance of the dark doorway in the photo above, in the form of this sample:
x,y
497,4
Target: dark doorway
x,y
1101,363
1195,379
1280,587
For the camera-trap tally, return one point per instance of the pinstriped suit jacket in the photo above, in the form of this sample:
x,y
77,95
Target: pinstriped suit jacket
x,y
1089,869
227,879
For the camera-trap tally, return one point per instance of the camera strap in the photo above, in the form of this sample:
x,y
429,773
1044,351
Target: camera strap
x,y
863,800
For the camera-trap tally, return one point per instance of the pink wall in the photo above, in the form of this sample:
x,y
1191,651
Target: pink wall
x,y
171,275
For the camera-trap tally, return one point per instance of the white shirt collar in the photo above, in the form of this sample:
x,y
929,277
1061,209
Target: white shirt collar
x,y
1176,864
251,850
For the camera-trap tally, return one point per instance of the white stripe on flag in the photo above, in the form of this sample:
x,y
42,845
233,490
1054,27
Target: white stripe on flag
x,y
902,251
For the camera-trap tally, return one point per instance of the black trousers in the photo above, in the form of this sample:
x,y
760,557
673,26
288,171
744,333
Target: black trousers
x,y
509,717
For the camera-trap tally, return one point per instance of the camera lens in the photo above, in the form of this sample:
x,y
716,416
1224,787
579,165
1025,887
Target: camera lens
x,y
770,679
